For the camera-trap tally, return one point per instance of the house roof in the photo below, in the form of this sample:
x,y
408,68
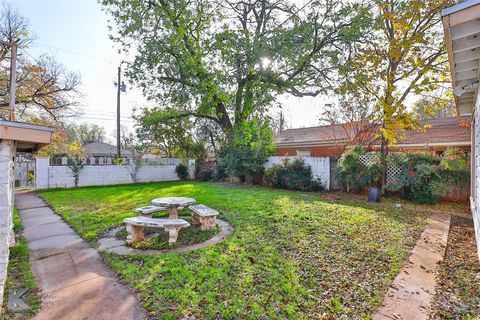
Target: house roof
x,y
321,134
461,24
102,149
447,131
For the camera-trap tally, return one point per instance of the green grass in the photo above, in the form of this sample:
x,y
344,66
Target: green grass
x,y
20,274
292,255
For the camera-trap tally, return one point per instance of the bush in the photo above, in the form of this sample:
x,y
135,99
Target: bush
x,y
205,175
454,159
353,173
426,177
293,175
220,171
421,179
182,171
251,145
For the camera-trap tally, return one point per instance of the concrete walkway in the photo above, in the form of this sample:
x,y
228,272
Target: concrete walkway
x,y
410,294
74,281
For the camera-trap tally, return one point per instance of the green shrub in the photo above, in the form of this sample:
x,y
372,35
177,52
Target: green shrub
x,y
422,180
426,177
252,144
206,175
220,172
356,175
182,171
454,159
293,175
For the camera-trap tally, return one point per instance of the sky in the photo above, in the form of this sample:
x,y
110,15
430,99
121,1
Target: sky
x,y
76,33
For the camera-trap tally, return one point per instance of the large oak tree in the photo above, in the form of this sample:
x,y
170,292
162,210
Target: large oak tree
x,y
226,61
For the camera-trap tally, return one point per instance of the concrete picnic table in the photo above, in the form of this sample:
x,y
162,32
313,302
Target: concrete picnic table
x,y
173,203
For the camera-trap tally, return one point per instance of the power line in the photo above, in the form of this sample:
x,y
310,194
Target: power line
x,y
35,59
105,119
107,113
74,52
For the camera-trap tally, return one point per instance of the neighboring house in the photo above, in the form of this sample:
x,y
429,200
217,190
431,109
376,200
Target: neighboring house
x,y
96,153
102,149
462,30
101,153
330,140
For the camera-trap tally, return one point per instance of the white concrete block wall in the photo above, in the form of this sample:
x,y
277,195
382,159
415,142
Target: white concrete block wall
x,y
48,177
7,178
320,167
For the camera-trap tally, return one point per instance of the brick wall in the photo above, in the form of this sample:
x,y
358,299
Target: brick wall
x,y
324,151
7,239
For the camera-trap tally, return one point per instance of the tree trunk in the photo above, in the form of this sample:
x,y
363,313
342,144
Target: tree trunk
x,y
383,162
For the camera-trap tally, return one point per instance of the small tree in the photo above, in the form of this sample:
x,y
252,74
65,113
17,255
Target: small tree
x,y
404,56
135,164
251,146
182,171
353,121
75,163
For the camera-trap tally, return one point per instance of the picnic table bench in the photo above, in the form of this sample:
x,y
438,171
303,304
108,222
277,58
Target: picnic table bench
x,y
136,226
149,210
204,216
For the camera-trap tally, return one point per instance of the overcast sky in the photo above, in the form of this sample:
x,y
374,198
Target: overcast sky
x,y
76,33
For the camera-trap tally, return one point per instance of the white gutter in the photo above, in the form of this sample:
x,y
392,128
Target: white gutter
x,y
402,145
458,7
436,144
310,143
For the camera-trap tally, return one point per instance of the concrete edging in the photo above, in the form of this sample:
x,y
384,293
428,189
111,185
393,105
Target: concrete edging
x,y
110,243
410,294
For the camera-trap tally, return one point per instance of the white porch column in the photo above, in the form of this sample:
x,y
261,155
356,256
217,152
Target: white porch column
x,y
7,178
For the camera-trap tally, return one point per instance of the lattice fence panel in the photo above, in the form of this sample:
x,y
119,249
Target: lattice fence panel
x,y
393,170
369,158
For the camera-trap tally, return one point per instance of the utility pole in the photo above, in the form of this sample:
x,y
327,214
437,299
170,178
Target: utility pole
x,y
13,82
121,87
118,111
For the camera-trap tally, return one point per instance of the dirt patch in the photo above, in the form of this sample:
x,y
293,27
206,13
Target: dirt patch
x,y
457,295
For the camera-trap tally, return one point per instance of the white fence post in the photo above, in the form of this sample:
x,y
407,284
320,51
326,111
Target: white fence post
x,y
41,173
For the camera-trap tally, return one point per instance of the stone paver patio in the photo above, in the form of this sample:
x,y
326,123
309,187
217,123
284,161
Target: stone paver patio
x,y
73,279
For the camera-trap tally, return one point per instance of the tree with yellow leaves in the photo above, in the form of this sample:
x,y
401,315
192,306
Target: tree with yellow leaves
x,y
44,86
403,57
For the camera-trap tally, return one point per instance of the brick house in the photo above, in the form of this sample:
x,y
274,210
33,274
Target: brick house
x,y
331,140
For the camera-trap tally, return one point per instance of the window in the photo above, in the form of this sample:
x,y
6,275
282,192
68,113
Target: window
x,y
303,153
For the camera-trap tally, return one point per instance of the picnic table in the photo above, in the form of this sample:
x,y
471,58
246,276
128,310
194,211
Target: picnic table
x,y
173,203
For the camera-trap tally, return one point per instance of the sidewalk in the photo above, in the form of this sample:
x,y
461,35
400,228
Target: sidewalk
x,y
74,281
411,293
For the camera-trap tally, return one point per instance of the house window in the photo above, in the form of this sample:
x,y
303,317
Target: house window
x,y
303,153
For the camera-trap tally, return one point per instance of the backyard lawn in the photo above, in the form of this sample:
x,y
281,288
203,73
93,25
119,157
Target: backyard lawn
x,y
292,255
